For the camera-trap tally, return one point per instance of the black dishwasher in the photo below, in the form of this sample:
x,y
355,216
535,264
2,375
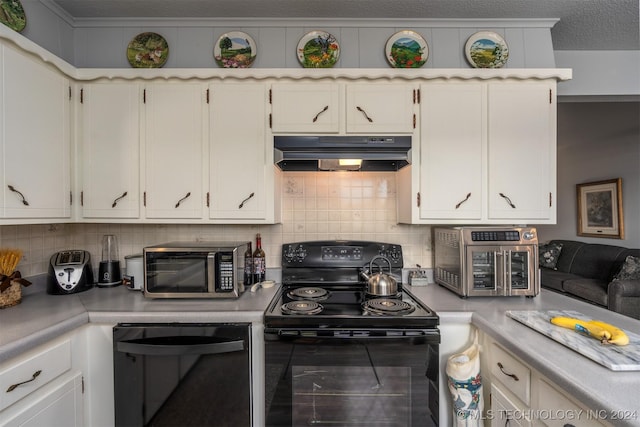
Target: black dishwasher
x,y
182,374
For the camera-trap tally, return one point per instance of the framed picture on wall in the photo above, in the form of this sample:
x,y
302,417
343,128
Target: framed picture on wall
x,y
600,209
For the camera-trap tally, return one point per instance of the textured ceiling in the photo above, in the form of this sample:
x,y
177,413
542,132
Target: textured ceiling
x,y
584,24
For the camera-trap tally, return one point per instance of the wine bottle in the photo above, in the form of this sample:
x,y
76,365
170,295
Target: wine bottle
x,y
259,262
248,266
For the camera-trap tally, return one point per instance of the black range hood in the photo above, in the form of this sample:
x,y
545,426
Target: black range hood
x,y
326,153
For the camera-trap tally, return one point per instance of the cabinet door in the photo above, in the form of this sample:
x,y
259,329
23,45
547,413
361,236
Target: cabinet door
x,y
58,404
35,127
521,151
453,133
110,150
379,108
174,150
238,151
302,107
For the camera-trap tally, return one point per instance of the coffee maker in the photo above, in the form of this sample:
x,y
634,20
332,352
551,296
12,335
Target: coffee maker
x,y
109,270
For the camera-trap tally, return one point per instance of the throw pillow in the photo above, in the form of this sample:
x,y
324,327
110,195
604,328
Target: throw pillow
x,y
630,270
548,255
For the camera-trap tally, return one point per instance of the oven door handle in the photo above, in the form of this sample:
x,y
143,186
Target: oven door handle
x,y
292,334
182,346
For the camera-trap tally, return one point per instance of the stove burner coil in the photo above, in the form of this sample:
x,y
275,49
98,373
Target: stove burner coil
x,y
301,307
389,306
308,294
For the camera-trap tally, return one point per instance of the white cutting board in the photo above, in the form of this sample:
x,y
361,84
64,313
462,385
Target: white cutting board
x,y
614,357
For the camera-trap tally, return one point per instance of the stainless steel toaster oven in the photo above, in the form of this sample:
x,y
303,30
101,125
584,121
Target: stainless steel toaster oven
x,y
487,261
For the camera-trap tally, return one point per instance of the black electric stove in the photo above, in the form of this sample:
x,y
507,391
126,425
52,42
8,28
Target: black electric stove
x,y
336,355
322,287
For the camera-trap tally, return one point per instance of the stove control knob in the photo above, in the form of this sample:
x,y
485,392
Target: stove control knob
x,y
294,254
301,253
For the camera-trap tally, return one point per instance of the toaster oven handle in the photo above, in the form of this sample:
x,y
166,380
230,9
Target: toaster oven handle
x,y
499,257
211,272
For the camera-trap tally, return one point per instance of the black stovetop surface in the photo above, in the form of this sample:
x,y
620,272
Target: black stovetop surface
x,y
344,309
336,266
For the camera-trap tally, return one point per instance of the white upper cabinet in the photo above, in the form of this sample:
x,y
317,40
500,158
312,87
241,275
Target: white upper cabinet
x,y
110,146
487,155
35,139
362,108
174,150
522,151
241,159
453,140
380,108
305,107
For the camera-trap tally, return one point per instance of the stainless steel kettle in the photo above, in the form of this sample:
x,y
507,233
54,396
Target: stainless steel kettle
x,y
380,284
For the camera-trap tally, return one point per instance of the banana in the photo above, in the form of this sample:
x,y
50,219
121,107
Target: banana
x,y
583,327
618,337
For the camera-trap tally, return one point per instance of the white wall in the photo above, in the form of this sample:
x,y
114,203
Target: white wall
x,y
597,141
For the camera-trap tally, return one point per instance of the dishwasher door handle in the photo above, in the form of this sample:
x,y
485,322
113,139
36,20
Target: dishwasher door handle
x,y
178,346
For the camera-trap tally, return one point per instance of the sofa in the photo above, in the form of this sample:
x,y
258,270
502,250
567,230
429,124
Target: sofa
x,y
604,275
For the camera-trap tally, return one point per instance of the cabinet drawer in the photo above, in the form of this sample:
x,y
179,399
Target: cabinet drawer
x,y
564,410
506,413
512,373
24,376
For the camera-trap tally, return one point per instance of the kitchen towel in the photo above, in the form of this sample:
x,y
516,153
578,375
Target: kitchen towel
x,y
465,386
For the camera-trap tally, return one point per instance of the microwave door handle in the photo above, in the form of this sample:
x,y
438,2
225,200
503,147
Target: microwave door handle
x,y
211,272
151,347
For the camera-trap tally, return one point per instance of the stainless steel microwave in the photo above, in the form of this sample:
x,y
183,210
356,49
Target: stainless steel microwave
x,y
194,270
487,261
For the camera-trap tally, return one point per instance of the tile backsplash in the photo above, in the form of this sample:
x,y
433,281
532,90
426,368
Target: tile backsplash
x,y
315,206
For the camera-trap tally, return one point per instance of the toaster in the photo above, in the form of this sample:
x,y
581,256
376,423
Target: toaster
x,y
69,272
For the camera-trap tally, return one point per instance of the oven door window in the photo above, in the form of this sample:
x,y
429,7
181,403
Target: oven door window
x,y
181,272
351,381
483,269
519,269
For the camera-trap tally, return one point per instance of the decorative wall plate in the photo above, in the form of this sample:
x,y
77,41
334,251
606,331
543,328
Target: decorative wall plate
x,y
12,14
235,49
406,49
148,50
318,49
486,49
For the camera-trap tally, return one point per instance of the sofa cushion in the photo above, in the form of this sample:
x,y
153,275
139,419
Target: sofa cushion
x,y
569,250
553,279
595,261
630,270
548,254
592,290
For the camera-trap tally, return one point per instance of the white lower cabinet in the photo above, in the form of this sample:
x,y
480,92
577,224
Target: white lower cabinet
x,y
504,412
58,405
44,386
521,396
